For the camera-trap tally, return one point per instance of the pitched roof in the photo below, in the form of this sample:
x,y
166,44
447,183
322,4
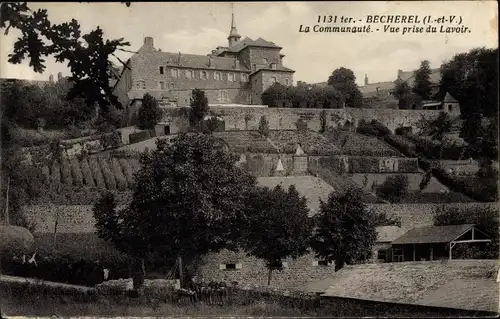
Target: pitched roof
x,y
386,234
449,98
372,87
432,234
247,42
434,77
278,68
196,61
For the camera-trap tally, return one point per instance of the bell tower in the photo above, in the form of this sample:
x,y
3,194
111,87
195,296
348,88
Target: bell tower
x,y
234,36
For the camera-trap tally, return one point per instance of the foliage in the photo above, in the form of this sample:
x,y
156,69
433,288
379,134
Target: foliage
x,y
301,125
87,55
344,81
480,189
384,219
149,113
302,96
436,128
344,229
189,191
322,119
485,218
199,107
373,127
402,92
422,83
394,188
425,180
264,126
213,124
277,225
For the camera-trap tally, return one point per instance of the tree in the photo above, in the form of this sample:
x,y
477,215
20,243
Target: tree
x,y
402,92
87,55
277,226
189,200
263,126
422,83
344,81
199,108
394,188
149,113
274,96
484,217
344,229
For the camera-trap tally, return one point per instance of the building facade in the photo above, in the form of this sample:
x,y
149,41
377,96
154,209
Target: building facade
x,y
234,74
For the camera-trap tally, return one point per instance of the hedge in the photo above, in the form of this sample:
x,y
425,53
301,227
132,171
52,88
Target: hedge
x,y
432,149
402,144
480,189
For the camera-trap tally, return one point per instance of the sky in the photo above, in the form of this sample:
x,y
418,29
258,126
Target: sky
x,y
198,28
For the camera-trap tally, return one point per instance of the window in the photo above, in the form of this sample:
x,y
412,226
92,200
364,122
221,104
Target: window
x,y
171,85
397,255
273,66
273,79
204,75
174,73
161,84
140,84
321,263
230,266
161,70
217,76
254,67
230,77
287,82
189,74
450,107
244,77
381,255
264,60
223,96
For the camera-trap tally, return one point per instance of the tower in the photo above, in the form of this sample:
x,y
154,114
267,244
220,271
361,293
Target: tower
x,y
366,79
234,36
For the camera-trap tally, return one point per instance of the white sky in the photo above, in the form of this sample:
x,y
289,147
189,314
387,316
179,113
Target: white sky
x,y
200,27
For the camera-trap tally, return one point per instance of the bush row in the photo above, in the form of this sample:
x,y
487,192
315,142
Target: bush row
x,y
432,149
402,144
141,136
480,189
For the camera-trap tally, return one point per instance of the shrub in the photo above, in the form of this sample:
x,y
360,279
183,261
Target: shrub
x,y
135,164
97,173
46,174
264,126
213,124
394,188
88,180
480,189
403,130
402,144
55,172
66,172
374,127
121,182
407,165
76,172
301,125
363,164
149,113
109,177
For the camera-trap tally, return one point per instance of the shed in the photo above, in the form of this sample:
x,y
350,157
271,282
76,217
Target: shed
x,y
435,242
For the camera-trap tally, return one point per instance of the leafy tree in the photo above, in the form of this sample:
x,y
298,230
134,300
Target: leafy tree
x,y
344,81
263,126
189,200
275,95
199,107
394,188
344,229
436,128
402,92
277,225
322,119
87,55
149,113
422,83
484,217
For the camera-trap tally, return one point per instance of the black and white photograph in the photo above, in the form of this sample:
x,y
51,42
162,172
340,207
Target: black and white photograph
x,y
249,159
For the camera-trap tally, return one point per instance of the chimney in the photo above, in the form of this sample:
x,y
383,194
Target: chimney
x,y
400,72
236,64
179,59
59,76
214,52
51,78
148,42
210,62
366,79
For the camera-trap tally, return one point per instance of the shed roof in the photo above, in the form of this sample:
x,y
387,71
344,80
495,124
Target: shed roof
x,y
432,234
386,234
449,98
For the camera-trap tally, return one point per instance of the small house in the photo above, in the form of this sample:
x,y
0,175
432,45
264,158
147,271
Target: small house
x,y
435,242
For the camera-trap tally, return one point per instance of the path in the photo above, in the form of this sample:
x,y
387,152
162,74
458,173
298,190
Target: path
x,y
36,281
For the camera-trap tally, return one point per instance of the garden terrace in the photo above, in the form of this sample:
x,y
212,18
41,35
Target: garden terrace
x,y
100,172
311,142
355,144
246,141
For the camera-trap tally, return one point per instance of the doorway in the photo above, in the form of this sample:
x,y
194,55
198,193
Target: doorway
x,y
166,129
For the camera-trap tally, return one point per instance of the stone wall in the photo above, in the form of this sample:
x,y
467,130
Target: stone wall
x,y
366,164
247,118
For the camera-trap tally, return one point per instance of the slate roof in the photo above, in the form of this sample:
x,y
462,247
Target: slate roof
x,y
449,98
386,234
278,68
196,61
432,234
247,42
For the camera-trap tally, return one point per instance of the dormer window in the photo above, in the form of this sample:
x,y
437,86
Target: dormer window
x,y
230,77
254,67
189,74
264,61
287,81
273,66
244,77
204,75
273,79
174,73
161,70
217,76
161,84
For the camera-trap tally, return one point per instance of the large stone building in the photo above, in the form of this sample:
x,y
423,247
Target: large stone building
x,y
234,74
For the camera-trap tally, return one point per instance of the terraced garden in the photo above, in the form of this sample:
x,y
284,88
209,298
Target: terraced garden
x,y
246,141
355,144
311,142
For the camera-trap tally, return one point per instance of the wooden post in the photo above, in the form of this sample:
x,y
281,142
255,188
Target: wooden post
x,y
179,261
432,254
450,249
413,252
7,222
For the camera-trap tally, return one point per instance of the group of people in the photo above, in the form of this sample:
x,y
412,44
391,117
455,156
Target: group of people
x,y
211,293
